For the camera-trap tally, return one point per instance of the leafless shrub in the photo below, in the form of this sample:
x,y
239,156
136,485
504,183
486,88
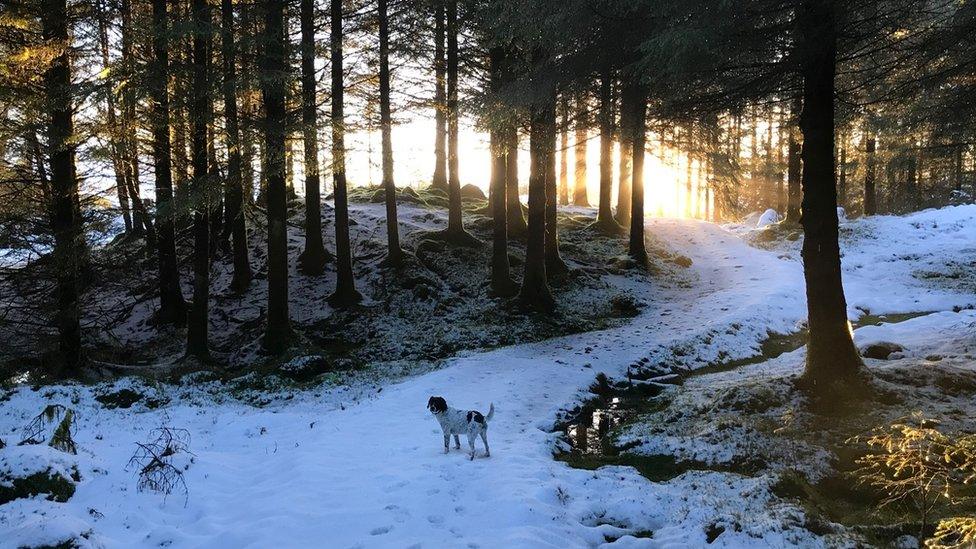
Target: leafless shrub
x,y
154,461
62,438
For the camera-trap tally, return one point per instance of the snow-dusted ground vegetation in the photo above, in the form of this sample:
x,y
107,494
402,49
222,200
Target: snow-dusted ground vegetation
x,y
356,460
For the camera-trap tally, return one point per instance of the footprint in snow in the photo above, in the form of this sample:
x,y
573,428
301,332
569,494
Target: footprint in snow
x,y
435,519
396,486
380,531
399,514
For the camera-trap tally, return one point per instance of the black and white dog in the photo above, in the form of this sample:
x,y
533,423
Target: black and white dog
x,y
454,422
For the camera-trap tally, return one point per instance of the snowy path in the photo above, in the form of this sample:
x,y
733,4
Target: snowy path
x,y
308,474
375,473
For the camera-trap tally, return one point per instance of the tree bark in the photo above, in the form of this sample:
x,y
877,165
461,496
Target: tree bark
x,y
957,168
638,102
626,159
65,222
216,198
178,110
564,150
604,216
454,222
832,359
274,76
794,169
870,167
440,102
395,253
314,257
579,174
248,104
555,266
535,293
688,170
198,317
516,221
234,220
502,284
842,169
115,147
345,293
141,222
172,307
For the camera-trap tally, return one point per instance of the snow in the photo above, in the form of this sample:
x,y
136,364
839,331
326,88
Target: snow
x,y
921,262
23,461
362,465
767,218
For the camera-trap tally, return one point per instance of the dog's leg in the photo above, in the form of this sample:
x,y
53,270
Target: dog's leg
x,y
471,443
484,438
457,442
447,442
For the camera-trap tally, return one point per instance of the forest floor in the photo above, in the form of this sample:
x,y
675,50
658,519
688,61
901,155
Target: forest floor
x,y
436,305
359,463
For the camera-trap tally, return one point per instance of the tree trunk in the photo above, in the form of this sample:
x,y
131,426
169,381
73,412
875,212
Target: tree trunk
x,y
579,174
555,266
394,254
314,257
248,104
782,127
870,166
273,78
794,169
842,177
141,223
345,293
535,293
454,221
115,147
957,169
564,150
172,308
832,359
178,110
216,198
440,102
688,171
911,185
638,102
65,223
626,158
516,221
604,217
198,317
502,284
234,221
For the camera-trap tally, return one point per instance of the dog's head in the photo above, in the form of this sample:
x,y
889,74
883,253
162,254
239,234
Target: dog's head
x,y
437,405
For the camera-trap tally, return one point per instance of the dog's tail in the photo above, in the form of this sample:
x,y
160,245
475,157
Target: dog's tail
x,y
491,412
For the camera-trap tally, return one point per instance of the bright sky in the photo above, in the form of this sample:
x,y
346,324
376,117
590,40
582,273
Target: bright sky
x,y
413,160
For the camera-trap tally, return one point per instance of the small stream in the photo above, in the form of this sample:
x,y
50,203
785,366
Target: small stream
x,y
588,428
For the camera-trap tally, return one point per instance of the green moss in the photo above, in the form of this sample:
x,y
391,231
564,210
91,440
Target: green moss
x,y
66,544
55,486
869,319
123,398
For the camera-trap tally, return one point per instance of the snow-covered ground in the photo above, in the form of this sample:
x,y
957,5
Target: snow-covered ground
x,y
363,467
